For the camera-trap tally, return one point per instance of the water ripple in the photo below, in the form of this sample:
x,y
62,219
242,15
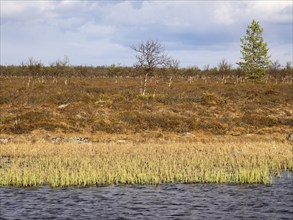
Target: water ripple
x,y
174,201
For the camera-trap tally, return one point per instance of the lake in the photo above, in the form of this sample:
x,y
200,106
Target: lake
x,y
172,201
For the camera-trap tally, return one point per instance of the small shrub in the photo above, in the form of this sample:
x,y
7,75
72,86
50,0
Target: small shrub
x,y
214,127
259,121
18,129
105,125
209,98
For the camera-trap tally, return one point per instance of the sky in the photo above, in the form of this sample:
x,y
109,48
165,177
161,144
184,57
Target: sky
x,y
98,33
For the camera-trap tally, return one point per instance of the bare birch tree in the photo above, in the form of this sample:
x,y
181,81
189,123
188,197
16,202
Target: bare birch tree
x,y
150,55
173,66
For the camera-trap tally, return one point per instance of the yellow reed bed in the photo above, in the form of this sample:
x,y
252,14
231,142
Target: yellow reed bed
x,y
108,163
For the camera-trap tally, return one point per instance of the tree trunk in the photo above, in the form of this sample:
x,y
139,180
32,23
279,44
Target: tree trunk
x,y
145,84
170,81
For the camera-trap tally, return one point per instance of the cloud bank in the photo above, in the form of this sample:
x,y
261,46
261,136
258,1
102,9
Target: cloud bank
x,y
101,32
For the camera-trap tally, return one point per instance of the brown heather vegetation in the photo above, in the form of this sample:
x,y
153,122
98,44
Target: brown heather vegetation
x,y
112,105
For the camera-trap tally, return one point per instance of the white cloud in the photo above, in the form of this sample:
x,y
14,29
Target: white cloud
x,y
93,32
225,13
273,11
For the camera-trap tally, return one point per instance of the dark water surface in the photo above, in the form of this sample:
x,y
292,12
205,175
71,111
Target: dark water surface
x,y
176,201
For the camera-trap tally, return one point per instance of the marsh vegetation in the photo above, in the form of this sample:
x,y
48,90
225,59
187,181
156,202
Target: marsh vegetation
x,y
149,163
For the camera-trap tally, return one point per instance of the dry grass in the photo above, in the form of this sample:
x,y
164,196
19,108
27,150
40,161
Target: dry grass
x,y
146,163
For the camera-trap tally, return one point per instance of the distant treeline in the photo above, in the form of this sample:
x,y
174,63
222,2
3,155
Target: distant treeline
x,y
119,71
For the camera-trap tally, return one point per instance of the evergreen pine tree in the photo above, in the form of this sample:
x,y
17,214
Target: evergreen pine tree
x,y
254,51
